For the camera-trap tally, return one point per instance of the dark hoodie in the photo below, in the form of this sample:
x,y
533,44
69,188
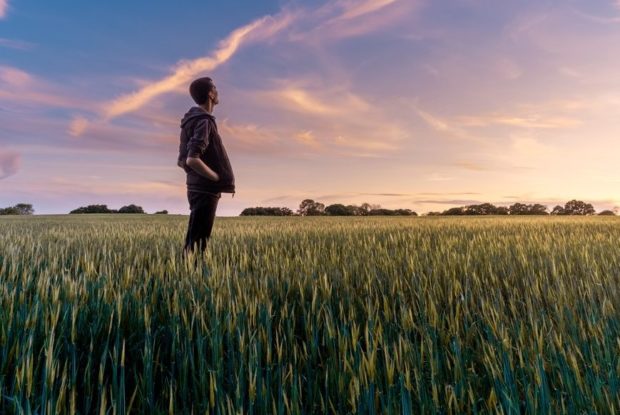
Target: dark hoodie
x,y
199,138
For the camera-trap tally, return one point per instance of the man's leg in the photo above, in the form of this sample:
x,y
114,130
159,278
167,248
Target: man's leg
x,y
202,216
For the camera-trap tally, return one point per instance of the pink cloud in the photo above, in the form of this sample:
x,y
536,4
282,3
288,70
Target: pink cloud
x,y
347,18
77,126
14,76
185,71
20,88
9,163
4,6
356,8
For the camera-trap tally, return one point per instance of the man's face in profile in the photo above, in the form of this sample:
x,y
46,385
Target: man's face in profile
x,y
213,94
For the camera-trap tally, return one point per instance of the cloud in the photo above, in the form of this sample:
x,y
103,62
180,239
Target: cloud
x,y
251,139
473,166
530,147
9,163
520,121
77,126
347,18
438,177
14,77
95,189
18,87
307,138
15,44
599,19
356,8
444,126
508,69
458,202
185,71
311,99
331,120
4,6
523,26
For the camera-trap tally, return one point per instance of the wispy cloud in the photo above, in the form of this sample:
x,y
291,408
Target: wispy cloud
x,y
472,165
307,138
251,139
4,6
14,77
15,44
312,99
320,117
77,126
347,18
521,121
18,87
454,202
9,163
443,125
185,71
599,19
356,8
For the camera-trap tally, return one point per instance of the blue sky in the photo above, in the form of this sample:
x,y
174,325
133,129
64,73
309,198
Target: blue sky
x,y
403,103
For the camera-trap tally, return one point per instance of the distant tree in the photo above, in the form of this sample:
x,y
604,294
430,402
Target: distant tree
x,y
483,209
480,209
405,212
18,209
379,212
162,212
93,209
338,210
24,208
454,211
365,208
518,209
577,207
523,209
309,207
131,209
500,210
392,212
538,209
433,214
356,210
267,211
284,211
558,210
607,213
12,210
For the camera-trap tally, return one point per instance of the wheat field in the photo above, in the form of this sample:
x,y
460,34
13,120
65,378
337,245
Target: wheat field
x,y
297,315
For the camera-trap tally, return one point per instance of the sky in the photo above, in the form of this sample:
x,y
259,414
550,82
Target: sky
x,y
412,104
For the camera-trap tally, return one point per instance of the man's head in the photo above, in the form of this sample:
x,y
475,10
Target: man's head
x,y
202,90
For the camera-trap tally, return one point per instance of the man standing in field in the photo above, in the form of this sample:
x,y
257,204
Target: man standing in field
x,y
204,159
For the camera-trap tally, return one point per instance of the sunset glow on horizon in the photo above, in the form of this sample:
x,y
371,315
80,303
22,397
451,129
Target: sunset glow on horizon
x,y
411,104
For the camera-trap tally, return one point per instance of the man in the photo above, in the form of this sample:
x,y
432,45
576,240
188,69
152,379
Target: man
x,y
204,159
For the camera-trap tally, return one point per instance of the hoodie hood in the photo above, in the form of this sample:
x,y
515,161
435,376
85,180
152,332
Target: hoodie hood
x,y
194,113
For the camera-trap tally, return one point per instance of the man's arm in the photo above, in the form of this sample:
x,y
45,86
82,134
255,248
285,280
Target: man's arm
x,y
201,168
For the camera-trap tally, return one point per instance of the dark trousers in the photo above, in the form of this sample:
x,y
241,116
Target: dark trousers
x,y
202,207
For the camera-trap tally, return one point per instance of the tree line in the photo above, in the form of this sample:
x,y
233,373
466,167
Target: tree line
x,y
572,207
104,209
26,209
309,207
18,209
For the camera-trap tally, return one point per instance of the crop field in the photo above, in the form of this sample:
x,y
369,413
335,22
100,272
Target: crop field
x,y
100,314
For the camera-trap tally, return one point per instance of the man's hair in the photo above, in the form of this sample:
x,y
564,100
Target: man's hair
x,y
199,90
